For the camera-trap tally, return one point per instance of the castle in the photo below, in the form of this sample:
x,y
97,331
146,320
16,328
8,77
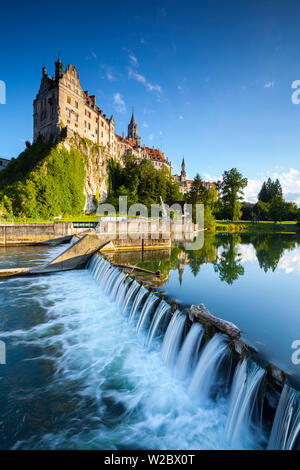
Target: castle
x,y
61,102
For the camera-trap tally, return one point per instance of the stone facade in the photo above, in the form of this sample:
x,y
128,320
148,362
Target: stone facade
x,y
62,103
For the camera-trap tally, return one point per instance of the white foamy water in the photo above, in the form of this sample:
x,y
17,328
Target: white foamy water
x,y
112,392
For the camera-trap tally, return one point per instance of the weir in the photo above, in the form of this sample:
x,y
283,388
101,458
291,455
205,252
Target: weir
x,y
210,366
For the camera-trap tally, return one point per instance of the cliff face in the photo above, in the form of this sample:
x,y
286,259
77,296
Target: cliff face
x,y
96,161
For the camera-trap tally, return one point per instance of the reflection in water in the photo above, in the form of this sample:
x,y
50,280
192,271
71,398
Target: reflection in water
x,y
226,252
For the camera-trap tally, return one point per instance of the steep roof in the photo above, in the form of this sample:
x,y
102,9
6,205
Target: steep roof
x,y
126,141
156,155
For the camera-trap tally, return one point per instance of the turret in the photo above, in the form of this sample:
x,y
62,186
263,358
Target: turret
x,y
59,69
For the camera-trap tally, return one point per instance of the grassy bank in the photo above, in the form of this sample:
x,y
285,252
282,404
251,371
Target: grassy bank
x,y
262,226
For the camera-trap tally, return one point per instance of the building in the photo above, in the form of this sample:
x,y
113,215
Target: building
x,y
62,103
3,163
185,184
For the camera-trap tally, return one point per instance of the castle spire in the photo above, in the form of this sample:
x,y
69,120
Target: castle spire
x,y
183,172
59,68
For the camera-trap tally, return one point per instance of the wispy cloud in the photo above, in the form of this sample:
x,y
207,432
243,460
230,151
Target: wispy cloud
x,y
269,84
91,56
119,103
145,124
150,136
179,87
142,79
133,59
109,73
180,116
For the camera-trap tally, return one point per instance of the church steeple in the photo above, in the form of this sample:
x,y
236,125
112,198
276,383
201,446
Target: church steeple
x,y
183,172
133,131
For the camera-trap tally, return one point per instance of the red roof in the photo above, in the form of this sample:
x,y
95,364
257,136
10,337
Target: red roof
x,y
126,141
90,100
156,155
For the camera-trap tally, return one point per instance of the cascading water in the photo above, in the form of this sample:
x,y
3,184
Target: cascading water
x,y
189,353
138,301
209,369
244,406
206,374
172,339
285,434
146,312
159,319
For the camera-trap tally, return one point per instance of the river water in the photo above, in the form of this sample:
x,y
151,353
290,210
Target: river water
x,y
78,376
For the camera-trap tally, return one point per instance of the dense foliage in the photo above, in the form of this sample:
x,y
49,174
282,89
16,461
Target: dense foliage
x,y
200,194
141,183
43,182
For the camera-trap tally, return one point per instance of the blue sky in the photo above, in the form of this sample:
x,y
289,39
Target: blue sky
x,y
209,80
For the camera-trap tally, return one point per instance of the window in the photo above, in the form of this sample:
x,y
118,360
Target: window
x,y
69,99
76,104
76,117
89,126
84,123
68,112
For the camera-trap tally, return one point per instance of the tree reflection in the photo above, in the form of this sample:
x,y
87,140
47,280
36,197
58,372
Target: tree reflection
x,y
228,263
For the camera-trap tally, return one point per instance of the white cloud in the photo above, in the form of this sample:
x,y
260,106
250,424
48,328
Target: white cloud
x,y
179,87
180,116
247,253
150,136
290,262
160,132
145,124
269,84
142,79
110,76
133,59
119,103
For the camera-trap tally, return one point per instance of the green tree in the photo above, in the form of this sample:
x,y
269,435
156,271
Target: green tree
x,y
231,188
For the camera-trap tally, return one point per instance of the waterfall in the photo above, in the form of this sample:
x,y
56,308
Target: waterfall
x,y
162,313
172,338
207,371
146,311
208,367
189,352
129,295
244,401
140,297
286,426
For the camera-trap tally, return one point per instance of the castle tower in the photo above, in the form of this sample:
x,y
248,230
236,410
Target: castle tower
x,y
133,131
59,69
183,172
